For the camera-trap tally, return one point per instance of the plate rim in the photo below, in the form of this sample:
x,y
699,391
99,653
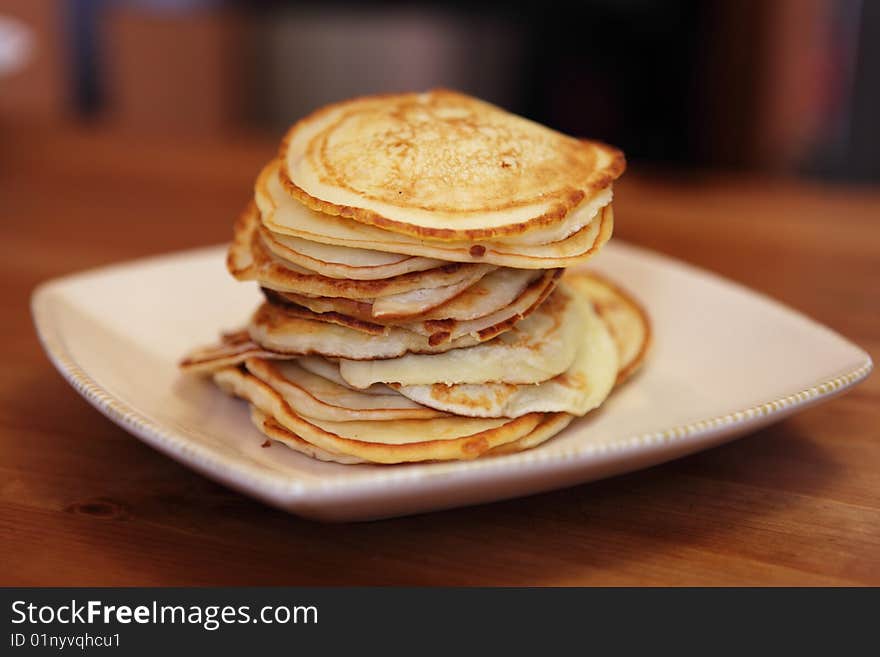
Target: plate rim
x,y
279,489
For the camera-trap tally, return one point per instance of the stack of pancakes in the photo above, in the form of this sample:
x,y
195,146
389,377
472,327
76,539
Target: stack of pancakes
x,y
411,251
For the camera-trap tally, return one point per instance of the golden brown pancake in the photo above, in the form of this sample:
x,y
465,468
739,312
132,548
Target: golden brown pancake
x,y
583,386
622,313
281,214
233,348
249,259
480,328
399,441
270,428
275,329
294,310
551,425
444,166
313,396
343,262
538,348
495,291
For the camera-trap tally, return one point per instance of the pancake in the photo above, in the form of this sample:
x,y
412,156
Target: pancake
x,y
282,215
233,348
249,259
293,310
361,309
577,390
275,329
490,326
329,369
391,310
534,350
443,166
343,262
443,330
419,301
571,251
271,429
381,442
313,396
494,291
626,319
396,309
551,425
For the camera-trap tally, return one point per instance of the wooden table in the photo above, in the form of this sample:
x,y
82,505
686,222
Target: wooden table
x,y
84,503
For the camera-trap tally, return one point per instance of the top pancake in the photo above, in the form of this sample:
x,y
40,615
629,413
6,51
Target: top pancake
x,y
444,166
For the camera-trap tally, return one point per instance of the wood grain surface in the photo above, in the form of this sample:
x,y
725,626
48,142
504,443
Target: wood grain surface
x,y
84,503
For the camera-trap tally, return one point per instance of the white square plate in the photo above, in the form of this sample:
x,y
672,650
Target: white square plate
x,y
725,361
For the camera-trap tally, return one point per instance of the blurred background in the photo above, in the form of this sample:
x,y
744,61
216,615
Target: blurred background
x,y
785,87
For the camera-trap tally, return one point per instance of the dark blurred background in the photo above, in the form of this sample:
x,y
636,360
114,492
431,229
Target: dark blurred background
x,y
788,87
